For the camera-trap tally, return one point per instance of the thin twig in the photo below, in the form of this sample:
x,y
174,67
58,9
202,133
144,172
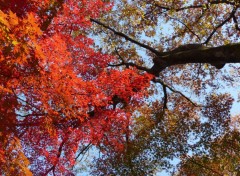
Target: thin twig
x,y
196,6
236,23
58,156
83,150
190,30
127,64
219,26
176,91
197,163
126,37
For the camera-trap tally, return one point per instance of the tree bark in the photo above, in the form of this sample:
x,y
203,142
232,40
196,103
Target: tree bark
x,y
216,55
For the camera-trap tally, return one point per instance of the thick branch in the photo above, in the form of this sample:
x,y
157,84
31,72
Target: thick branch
x,y
215,55
222,54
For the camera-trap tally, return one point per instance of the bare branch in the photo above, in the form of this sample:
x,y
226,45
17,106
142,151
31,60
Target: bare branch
x,y
133,65
175,91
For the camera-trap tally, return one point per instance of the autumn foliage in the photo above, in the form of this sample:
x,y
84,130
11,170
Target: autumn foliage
x,y
120,77
57,93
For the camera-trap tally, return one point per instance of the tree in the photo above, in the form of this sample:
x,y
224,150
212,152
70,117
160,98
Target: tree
x,y
188,47
61,93
57,95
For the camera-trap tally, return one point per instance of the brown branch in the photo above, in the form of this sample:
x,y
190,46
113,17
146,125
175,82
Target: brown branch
x,y
165,96
132,65
175,91
222,54
190,30
120,57
127,64
215,55
227,54
83,150
126,37
220,25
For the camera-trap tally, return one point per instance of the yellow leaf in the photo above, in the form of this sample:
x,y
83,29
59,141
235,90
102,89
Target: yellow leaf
x,y
14,42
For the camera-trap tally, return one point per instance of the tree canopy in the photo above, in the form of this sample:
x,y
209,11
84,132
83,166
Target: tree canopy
x,y
144,82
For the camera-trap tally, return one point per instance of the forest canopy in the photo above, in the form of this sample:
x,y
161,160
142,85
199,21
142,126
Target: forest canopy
x,y
142,84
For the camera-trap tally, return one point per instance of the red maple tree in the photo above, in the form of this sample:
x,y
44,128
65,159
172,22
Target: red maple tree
x,y
57,93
